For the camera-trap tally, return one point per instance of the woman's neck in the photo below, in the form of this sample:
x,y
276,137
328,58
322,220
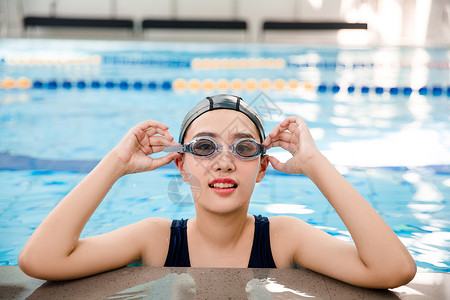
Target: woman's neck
x,y
220,231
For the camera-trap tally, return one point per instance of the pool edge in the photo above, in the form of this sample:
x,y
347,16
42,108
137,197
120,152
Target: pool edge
x,y
204,283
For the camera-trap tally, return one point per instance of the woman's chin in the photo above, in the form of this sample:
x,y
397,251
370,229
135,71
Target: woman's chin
x,y
221,205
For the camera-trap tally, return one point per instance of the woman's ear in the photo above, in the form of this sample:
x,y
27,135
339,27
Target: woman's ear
x,y
263,168
179,162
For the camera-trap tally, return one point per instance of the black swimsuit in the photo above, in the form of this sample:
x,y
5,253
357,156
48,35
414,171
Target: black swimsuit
x,y
261,255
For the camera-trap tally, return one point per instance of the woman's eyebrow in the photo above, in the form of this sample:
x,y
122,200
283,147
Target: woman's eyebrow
x,y
237,135
243,135
206,133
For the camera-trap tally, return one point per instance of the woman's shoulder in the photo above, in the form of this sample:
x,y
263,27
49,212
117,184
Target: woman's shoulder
x,y
290,228
155,224
153,229
155,232
284,234
285,221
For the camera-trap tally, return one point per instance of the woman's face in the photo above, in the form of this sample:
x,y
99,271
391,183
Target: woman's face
x,y
223,183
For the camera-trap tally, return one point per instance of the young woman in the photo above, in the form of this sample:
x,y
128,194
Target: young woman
x,y
221,152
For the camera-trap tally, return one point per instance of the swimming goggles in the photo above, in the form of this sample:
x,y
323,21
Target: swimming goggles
x,y
206,147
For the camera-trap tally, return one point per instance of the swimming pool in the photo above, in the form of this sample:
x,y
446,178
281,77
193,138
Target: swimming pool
x,y
380,114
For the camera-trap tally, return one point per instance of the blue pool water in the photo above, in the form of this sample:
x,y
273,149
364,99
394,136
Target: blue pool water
x,y
381,115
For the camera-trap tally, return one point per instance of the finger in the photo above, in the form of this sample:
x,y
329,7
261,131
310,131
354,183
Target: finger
x,y
267,142
276,130
159,148
159,162
290,124
156,149
285,145
142,133
272,136
291,136
293,127
148,144
168,135
284,136
284,125
151,123
293,119
155,130
276,164
158,141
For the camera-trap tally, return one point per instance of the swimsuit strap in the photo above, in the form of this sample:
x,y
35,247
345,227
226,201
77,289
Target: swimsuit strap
x,y
178,254
261,255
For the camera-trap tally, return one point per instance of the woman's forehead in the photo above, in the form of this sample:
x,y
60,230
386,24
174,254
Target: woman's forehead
x,y
223,123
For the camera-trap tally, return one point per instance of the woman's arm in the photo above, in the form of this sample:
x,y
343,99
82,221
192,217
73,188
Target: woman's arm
x,y
54,251
377,259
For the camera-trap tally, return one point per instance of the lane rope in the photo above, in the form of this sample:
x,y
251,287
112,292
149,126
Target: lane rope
x,y
236,84
57,59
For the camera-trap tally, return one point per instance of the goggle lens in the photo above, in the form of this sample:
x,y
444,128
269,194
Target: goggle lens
x,y
203,147
246,148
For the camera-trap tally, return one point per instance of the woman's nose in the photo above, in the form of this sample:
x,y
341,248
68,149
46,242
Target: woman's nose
x,y
224,162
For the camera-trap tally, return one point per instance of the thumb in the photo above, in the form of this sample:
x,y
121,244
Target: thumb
x,y
276,164
159,162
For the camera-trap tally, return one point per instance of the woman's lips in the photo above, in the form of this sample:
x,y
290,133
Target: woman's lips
x,y
223,185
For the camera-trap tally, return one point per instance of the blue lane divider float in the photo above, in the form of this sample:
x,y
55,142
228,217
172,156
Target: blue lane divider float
x,y
393,91
168,85
221,84
365,89
95,84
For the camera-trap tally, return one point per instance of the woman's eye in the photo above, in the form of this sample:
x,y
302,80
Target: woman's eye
x,y
204,147
246,148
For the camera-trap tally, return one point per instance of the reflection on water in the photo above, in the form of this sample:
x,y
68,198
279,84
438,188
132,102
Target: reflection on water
x,y
183,286
172,286
242,283
266,288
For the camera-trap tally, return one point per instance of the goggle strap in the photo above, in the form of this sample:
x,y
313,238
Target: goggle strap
x,y
176,148
262,149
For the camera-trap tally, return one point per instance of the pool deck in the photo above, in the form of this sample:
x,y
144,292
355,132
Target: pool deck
x,y
212,283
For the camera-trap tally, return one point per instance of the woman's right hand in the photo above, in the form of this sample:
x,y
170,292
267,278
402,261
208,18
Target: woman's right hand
x,y
144,139
55,251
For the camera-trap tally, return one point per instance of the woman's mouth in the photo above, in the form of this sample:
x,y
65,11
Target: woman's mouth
x,y
223,185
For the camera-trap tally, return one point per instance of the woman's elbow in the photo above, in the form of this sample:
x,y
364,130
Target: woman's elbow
x,y
399,276
406,274
34,266
28,265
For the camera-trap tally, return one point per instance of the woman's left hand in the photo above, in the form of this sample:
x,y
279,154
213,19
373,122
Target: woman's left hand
x,y
294,136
